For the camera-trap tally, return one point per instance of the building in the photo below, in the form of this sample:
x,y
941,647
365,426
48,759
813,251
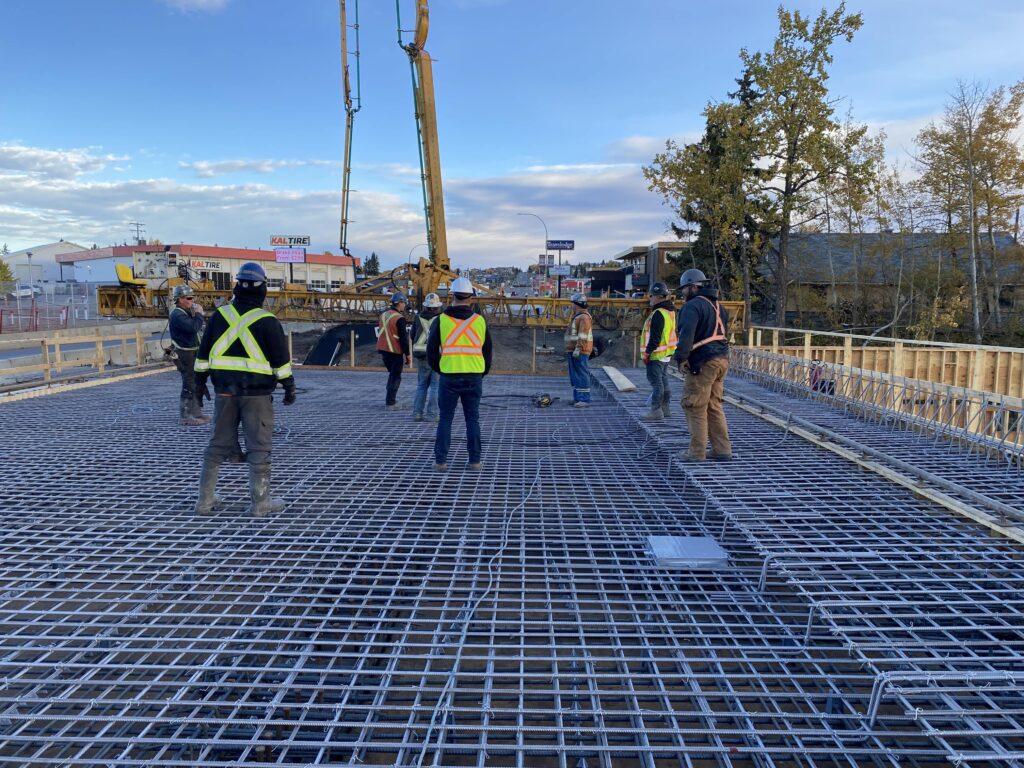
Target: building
x,y
651,263
156,263
39,264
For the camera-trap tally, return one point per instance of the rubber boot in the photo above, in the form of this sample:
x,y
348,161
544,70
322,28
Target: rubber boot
x,y
259,490
197,412
208,500
653,415
186,419
666,411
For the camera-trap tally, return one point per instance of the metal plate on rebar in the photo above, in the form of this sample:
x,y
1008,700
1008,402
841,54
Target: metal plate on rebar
x,y
688,552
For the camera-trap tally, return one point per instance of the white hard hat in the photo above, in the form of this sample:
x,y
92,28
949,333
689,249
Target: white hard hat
x,y
462,285
432,300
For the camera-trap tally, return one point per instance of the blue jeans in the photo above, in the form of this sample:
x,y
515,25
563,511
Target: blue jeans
x,y
469,388
657,376
426,381
579,375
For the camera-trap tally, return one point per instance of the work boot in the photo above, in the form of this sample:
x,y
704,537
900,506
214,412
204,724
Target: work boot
x,y
654,414
197,413
665,409
394,407
259,491
208,501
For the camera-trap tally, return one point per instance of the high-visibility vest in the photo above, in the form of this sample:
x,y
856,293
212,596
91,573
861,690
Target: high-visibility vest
x,y
668,341
387,337
719,333
462,344
574,337
254,361
421,340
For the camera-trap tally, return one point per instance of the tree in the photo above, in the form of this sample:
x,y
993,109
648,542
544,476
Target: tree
x,y
372,265
6,276
795,120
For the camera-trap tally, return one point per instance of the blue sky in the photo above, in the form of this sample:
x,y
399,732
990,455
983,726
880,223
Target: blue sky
x,y
221,121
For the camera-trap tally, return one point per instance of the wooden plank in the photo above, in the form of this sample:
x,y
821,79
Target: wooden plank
x,y
619,379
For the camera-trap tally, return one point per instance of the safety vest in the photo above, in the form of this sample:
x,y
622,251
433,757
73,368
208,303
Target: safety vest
x,y
387,337
574,337
254,360
668,341
421,340
195,338
719,333
462,344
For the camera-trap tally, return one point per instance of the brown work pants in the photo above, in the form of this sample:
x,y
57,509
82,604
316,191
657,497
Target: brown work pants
x,y
702,404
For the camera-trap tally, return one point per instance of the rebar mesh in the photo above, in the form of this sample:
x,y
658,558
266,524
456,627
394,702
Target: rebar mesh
x,y
394,616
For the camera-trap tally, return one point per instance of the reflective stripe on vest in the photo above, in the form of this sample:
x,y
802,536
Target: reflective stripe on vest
x,y
668,341
255,361
462,344
421,340
719,333
388,340
572,335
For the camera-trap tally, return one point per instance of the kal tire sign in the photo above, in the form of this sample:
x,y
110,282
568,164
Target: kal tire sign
x,y
290,241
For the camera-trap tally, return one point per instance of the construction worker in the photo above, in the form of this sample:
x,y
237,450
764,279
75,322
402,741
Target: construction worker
x,y
459,349
426,380
186,323
393,345
245,352
703,357
658,343
579,343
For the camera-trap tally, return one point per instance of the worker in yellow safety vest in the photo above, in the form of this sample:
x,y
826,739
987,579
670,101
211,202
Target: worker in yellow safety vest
x,y
459,349
245,352
393,346
657,344
703,357
427,382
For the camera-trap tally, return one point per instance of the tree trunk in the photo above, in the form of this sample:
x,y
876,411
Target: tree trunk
x,y
782,268
746,279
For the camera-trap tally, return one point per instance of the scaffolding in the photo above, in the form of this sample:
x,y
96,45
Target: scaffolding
x,y
510,617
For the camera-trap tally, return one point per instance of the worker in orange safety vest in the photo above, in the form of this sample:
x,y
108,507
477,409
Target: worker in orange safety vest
x,y
393,346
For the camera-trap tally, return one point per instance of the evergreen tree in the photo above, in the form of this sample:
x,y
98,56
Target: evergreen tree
x,y
372,265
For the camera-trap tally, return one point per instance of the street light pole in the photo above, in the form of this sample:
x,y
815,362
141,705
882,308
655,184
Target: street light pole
x,y
538,218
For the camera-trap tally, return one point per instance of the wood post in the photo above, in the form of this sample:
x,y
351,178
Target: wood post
x,y
848,352
59,362
101,361
534,363
46,361
140,347
352,348
775,341
807,346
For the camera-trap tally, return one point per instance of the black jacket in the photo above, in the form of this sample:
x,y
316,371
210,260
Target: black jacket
x,y
434,341
185,327
697,322
268,334
417,328
658,324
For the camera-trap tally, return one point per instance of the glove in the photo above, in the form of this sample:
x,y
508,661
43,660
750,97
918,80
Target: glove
x,y
289,395
645,358
576,354
204,392
408,359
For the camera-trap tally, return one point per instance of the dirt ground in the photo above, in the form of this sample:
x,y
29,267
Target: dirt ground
x,y
512,349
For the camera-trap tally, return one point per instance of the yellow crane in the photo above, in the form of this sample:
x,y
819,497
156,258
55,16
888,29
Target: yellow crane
x,y
363,301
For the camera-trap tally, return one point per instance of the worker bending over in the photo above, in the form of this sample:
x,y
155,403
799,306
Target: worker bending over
x,y
658,343
425,404
186,322
703,357
245,352
393,345
579,343
459,349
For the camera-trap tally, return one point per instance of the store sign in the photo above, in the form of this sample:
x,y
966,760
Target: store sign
x,y
204,264
290,255
290,241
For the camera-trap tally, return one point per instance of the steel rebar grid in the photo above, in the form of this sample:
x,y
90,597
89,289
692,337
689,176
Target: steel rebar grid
x,y
906,586
394,616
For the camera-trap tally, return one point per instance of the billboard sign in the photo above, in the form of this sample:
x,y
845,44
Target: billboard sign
x,y
561,271
561,245
290,255
290,241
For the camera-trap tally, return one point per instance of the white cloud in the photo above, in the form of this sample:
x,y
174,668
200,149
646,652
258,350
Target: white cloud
x,y
52,163
197,5
208,169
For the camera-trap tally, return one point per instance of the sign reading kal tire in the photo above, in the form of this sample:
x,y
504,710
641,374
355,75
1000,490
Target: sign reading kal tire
x,y
290,241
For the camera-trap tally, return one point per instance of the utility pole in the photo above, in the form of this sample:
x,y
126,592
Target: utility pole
x,y
138,226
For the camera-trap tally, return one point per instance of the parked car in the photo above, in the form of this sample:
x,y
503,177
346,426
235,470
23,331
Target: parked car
x,y
22,291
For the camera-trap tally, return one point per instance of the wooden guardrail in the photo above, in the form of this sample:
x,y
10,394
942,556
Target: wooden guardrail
x,y
976,367
54,354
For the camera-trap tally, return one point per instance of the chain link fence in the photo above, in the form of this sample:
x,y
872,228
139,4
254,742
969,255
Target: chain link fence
x,y
47,306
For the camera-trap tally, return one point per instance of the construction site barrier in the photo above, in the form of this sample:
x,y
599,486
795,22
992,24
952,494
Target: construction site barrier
x,y
55,358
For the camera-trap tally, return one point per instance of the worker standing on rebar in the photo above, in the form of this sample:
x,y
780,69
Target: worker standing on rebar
x,y
658,343
459,349
579,343
703,358
245,352
186,323
427,381
393,345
